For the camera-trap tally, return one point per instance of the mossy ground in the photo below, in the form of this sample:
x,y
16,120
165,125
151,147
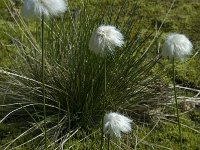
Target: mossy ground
x,y
155,135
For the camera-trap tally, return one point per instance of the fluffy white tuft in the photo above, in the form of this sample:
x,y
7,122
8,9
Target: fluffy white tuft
x,y
176,45
115,123
46,7
105,39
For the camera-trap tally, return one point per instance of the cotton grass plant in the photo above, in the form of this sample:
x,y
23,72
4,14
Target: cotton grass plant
x,y
37,8
104,40
176,46
75,95
114,124
41,9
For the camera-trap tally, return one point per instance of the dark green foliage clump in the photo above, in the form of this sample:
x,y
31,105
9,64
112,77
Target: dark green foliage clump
x,y
195,116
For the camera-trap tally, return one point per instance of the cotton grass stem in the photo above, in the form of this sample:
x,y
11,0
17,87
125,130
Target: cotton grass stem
x,y
105,86
177,111
68,112
102,131
108,142
43,82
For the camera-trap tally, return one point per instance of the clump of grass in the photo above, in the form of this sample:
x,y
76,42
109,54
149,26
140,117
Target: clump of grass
x,y
74,76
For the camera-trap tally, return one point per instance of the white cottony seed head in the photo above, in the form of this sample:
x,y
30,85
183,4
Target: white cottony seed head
x,y
176,45
105,39
48,8
115,123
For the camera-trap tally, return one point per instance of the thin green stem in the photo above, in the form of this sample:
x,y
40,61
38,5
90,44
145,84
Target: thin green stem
x,y
102,133
69,115
105,86
43,83
176,101
108,142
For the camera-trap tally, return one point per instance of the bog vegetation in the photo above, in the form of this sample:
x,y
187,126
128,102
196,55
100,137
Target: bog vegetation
x,y
54,90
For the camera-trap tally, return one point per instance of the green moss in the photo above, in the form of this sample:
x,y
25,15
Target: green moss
x,y
195,116
167,135
188,73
